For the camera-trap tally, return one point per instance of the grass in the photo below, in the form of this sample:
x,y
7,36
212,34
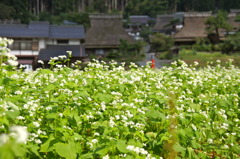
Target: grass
x,y
204,58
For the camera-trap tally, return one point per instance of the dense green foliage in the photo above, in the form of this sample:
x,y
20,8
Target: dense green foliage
x,y
106,112
32,10
161,42
127,52
231,44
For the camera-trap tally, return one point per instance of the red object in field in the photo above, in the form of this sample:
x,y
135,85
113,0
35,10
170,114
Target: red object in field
x,y
153,63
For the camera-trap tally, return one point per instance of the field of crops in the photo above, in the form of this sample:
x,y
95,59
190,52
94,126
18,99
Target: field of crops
x,y
105,111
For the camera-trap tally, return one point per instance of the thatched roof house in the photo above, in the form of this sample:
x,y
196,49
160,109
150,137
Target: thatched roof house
x,y
162,24
235,11
232,21
193,28
105,33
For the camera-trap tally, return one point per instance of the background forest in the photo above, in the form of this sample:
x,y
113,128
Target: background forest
x,y
56,11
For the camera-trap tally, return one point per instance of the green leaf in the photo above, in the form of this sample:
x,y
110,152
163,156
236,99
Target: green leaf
x,y
66,150
46,146
83,93
6,153
34,149
121,146
52,116
155,114
18,150
101,151
103,97
195,144
177,147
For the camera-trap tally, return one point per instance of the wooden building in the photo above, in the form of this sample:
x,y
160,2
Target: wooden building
x,y
105,34
193,28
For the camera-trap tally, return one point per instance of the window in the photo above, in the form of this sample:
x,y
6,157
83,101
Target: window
x,y
21,45
62,41
35,46
26,45
99,52
15,46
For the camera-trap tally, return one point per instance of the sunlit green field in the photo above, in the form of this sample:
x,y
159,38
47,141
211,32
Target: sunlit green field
x,y
105,112
208,58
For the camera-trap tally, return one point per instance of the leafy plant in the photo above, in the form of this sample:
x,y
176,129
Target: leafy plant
x,y
105,111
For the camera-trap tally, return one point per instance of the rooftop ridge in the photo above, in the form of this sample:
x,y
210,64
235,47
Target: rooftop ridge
x,y
197,14
105,16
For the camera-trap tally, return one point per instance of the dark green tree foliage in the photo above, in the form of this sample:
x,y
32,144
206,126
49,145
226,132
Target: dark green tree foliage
x,y
6,11
231,45
215,23
99,6
146,7
161,42
145,33
27,10
127,50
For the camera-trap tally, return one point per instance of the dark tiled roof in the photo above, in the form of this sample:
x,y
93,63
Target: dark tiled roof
x,y
56,50
139,19
42,30
20,30
66,32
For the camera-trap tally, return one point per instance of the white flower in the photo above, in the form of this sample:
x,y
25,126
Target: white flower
x,y
37,141
41,62
111,123
69,53
130,147
103,106
3,139
194,127
60,114
105,157
96,134
48,108
62,56
12,62
225,146
20,118
19,133
210,141
18,92
36,124
94,141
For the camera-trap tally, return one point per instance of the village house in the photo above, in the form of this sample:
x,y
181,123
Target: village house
x,y
136,22
193,28
163,24
40,41
105,34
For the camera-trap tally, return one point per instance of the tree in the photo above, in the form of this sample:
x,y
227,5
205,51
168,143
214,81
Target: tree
x,y
214,24
231,44
6,11
100,6
161,42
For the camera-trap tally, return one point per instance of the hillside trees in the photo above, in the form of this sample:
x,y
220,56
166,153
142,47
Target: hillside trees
x,y
27,10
